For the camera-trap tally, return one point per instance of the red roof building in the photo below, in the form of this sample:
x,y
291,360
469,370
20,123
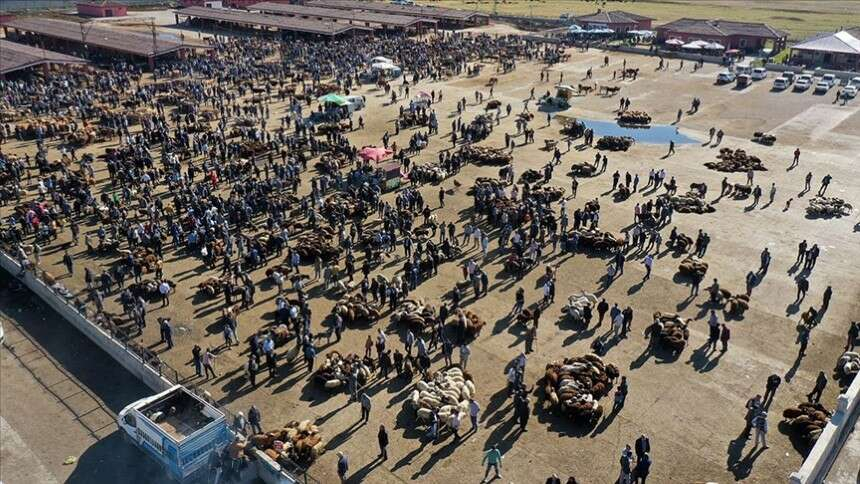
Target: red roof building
x,y
744,36
615,20
106,9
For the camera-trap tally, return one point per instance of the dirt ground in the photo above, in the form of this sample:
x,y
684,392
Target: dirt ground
x,y
692,407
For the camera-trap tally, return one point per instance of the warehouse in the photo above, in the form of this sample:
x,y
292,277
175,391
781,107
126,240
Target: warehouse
x,y
96,40
447,17
15,57
260,21
367,19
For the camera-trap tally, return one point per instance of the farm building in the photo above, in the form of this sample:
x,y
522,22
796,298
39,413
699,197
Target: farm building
x,y
743,36
106,9
839,50
615,20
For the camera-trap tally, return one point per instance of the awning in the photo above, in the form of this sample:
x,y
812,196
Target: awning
x,y
675,42
374,153
332,98
715,46
384,66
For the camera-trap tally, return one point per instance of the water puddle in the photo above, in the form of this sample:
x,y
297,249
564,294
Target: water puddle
x,y
654,134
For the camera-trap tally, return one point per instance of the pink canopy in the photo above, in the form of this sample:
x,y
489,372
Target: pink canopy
x,y
374,153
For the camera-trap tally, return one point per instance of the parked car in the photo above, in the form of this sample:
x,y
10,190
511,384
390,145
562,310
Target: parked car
x,y
725,77
743,81
850,92
803,82
822,87
759,73
780,83
855,81
788,76
829,79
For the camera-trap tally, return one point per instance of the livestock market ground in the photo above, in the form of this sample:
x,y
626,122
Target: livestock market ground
x,y
692,407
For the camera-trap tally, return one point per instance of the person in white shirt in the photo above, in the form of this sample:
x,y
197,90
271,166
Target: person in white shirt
x,y
465,352
648,262
474,409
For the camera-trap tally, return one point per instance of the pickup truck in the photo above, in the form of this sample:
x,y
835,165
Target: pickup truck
x,y
178,429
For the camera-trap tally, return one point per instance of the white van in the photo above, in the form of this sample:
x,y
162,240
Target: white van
x,y
355,103
759,73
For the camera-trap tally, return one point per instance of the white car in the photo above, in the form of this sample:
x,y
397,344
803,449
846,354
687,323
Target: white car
x,y
822,86
803,82
725,77
855,81
780,83
355,103
850,92
829,79
759,73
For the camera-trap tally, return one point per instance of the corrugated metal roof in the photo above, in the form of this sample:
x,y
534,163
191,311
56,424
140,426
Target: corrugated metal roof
x,y
412,10
722,28
841,42
15,56
280,22
340,14
613,17
119,40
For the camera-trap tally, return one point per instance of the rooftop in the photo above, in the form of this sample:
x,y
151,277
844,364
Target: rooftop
x,y
722,28
412,10
279,22
119,40
15,56
340,14
613,17
844,42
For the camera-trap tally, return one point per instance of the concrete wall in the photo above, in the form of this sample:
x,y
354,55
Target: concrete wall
x,y
821,457
113,347
844,76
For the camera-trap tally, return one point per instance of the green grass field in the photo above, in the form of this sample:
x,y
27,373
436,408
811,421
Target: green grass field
x,y
801,18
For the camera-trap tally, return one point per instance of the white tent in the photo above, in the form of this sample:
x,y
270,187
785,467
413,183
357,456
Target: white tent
x,y
641,33
675,42
715,46
383,66
574,29
381,59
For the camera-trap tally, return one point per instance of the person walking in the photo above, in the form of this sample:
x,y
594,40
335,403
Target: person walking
x,y
382,438
642,446
465,352
493,460
197,358
342,466
815,395
625,475
67,261
753,407
648,262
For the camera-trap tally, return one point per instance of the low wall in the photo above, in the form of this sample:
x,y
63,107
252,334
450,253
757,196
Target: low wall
x,y
112,346
832,438
843,75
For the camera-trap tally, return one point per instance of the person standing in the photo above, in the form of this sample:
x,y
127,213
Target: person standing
x,y
474,410
366,404
642,469
382,437
493,460
642,446
255,419
773,382
725,335
209,363
760,424
853,332
815,395
753,407
648,262
67,261
197,358
465,352
164,290
626,475
342,466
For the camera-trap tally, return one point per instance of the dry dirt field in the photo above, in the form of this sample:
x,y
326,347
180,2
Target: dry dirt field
x,y
691,407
